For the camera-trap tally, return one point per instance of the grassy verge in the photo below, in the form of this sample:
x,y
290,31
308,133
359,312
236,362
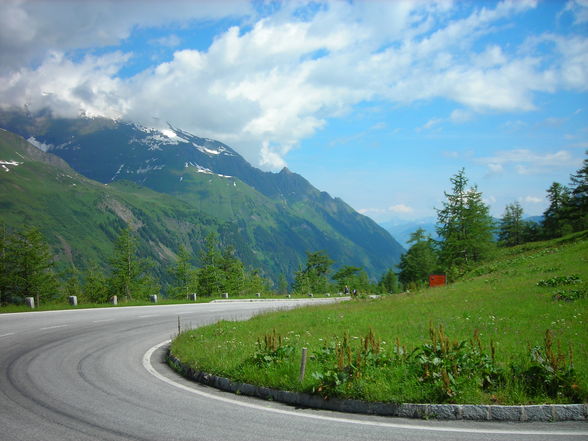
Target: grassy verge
x,y
480,340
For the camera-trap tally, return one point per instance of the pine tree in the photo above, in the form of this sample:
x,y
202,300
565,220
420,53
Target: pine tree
x,y
556,218
419,261
185,276
233,271
388,284
33,267
313,278
282,284
348,276
72,284
127,269
210,275
96,286
464,225
512,226
578,201
5,266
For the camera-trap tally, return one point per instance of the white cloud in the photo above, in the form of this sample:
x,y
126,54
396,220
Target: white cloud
x,y
533,200
28,29
264,87
400,209
167,41
579,10
495,169
526,161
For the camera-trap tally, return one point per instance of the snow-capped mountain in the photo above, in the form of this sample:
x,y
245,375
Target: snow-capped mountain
x,y
272,218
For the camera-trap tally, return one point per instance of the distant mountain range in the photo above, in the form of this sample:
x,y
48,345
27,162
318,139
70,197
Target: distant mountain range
x,y
85,179
401,230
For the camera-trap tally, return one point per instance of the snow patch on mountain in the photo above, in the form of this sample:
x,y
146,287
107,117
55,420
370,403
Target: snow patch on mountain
x,y
155,139
117,172
7,164
200,169
40,145
149,168
212,152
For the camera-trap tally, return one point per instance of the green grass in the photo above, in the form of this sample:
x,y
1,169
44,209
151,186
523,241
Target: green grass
x,y
500,299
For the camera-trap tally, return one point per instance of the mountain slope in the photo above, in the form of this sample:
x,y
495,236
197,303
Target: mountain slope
x,y
272,218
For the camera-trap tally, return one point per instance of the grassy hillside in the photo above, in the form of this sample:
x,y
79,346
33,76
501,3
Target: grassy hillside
x,y
82,218
501,300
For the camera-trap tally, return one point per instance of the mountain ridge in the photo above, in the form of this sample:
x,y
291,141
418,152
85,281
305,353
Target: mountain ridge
x,y
275,217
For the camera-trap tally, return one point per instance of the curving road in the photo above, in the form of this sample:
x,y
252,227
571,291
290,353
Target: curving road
x,y
98,375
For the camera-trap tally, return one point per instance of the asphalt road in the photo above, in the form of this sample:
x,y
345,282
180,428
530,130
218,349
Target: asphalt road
x,y
98,375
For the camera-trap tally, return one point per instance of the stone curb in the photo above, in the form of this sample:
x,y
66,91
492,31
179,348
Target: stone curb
x,y
525,413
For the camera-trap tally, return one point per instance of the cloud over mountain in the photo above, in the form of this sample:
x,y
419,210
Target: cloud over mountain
x,y
279,72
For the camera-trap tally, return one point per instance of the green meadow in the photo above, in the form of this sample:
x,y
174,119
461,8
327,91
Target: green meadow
x,y
512,331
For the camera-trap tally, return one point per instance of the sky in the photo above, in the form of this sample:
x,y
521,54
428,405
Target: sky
x,y
376,102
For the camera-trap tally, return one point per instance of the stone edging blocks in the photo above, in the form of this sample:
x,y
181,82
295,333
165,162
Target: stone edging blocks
x,y
541,412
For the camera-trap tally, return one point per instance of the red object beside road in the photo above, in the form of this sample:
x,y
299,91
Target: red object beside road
x,y
437,280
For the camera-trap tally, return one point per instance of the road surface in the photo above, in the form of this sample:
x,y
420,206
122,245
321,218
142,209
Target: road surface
x,y
98,375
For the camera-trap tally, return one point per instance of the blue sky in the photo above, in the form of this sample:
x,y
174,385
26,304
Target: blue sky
x,y
377,102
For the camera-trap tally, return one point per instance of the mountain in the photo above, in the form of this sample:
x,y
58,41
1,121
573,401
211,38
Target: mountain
x,y
177,186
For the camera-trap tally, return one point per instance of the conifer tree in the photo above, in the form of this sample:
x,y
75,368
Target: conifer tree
x,y
282,284
556,218
347,276
33,267
578,201
313,278
127,269
389,282
5,264
512,226
419,261
185,277
464,225
95,285
233,270
210,275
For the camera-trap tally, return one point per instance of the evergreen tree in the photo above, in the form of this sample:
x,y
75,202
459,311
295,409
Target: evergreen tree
x,y
512,226
254,282
32,274
72,284
282,285
210,275
464,225
314,277
388,284
96,286
578,201
185,276
128,271
348,276
233,271
556,218
6,264
419,261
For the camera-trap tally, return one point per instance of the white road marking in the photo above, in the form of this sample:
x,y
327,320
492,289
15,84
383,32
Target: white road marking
x,y
148,315
6,335
149,367
53,327
103,320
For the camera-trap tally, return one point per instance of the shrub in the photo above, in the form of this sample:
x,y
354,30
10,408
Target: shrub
x,y
550,373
